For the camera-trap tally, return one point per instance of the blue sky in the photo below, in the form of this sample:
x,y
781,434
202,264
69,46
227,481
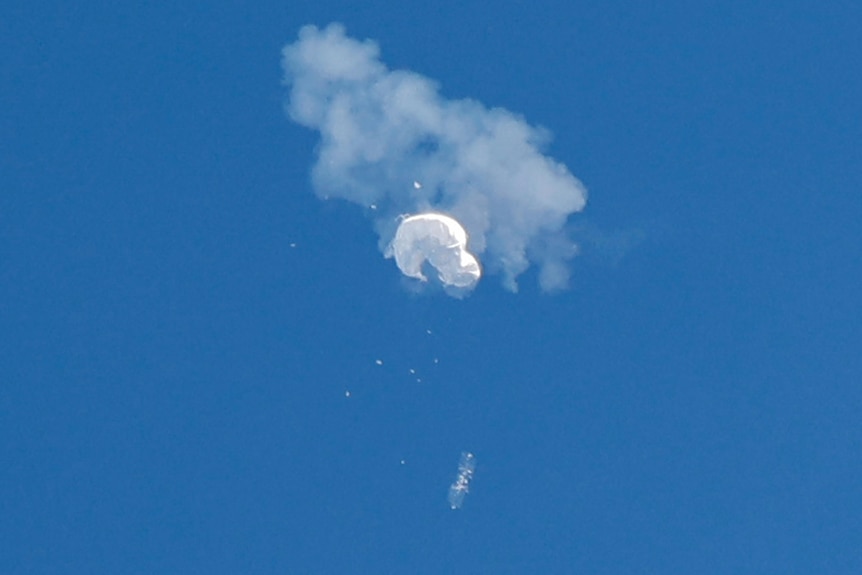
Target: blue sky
x,y
173,372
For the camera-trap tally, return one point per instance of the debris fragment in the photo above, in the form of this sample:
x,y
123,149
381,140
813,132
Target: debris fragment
x,y
461,486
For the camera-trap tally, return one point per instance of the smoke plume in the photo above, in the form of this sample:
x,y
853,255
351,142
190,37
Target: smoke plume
x,y
390,142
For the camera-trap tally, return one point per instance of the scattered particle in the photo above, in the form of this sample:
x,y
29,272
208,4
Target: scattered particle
x,y
347,393
403,462
417,185
436,360
378,361
293,244
412,370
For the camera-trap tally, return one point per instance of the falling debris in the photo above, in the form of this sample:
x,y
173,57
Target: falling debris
x,y
293,244
347,393
378,361
428,331
403,462
440,241
412,371
461,486
417,185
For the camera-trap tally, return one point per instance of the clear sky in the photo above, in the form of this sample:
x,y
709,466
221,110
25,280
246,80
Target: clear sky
x,y
189,335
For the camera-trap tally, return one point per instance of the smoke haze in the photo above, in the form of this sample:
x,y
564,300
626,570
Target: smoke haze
x,y
382,130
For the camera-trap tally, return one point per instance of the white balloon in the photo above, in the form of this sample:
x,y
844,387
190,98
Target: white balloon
x,y
442,242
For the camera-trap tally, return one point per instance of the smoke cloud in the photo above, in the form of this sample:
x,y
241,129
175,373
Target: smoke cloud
x,y
383,132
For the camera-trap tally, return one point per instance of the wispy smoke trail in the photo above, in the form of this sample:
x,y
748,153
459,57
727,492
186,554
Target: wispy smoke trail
x,y
382,130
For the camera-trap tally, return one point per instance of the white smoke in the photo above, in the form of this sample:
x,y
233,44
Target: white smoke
x,y
383,130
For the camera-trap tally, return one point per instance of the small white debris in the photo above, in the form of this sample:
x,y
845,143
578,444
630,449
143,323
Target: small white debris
x,y
413,371
373,206
417,185
378,361
403,462
436,360
293,244
428,331
347,393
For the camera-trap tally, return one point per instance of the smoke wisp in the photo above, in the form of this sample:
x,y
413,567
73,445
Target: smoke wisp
x,y
383,131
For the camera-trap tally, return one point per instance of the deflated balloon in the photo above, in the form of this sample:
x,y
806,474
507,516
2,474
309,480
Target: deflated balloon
x,y
441,242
